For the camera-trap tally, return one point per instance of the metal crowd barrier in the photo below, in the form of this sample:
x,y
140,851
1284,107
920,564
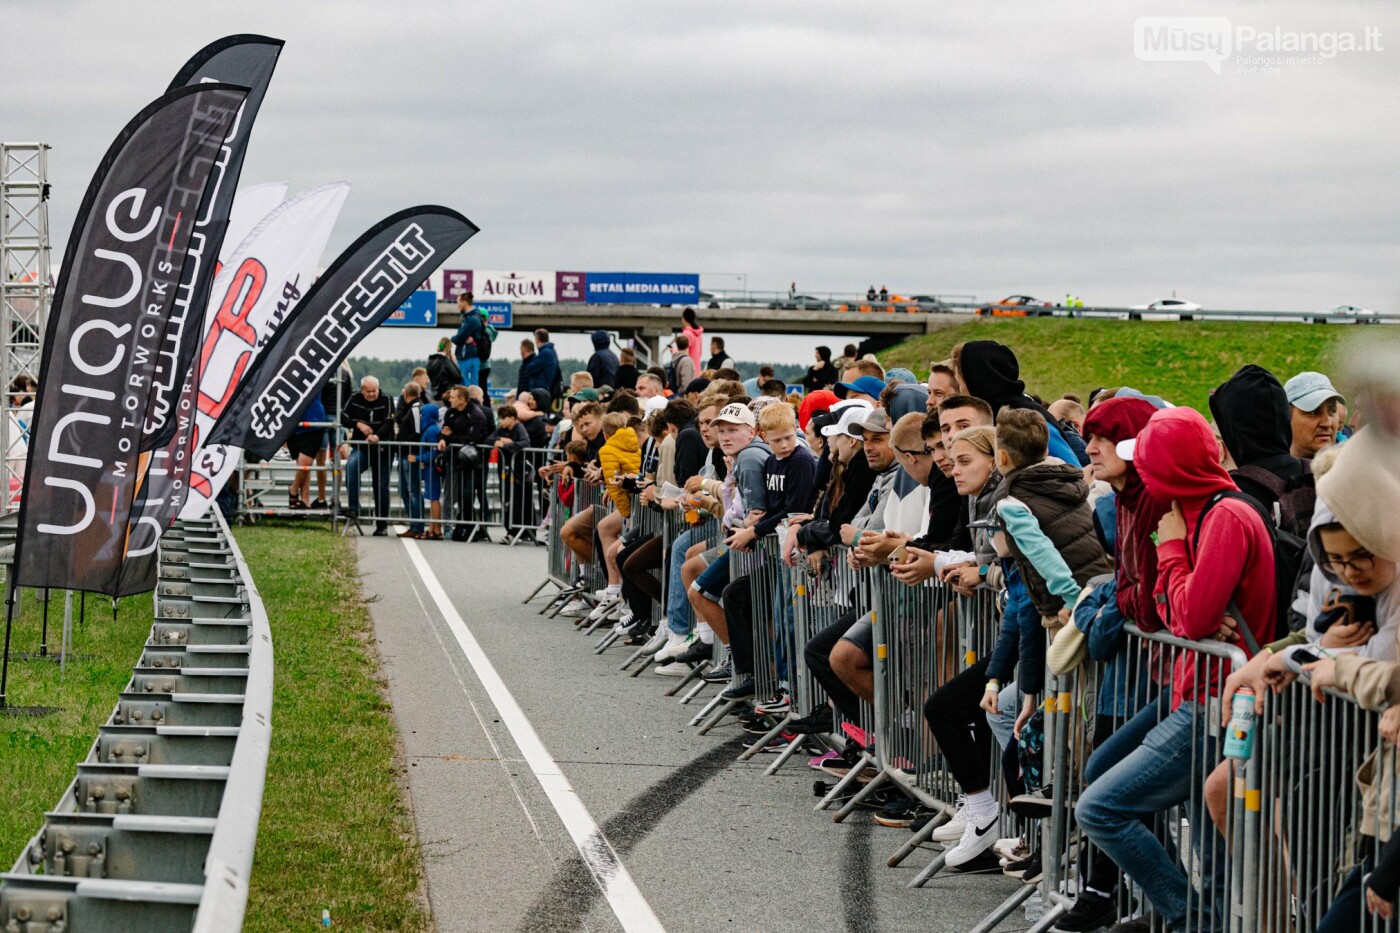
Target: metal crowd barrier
x,y
157,831
501,490
1284,841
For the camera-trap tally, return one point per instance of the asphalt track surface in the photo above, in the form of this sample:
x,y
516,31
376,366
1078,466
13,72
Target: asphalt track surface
x,y
684,836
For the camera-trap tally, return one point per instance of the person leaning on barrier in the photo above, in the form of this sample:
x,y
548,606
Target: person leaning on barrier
x,y
432,477
619,459
368,416
1357,625
991,372
789,474
408,428
464,425
1102,612
443,372
1206,569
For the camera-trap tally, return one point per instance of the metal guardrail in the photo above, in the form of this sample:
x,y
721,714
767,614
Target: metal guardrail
x,y
157,830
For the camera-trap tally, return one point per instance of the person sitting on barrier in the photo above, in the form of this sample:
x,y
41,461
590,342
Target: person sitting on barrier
x,y
368,416
408,428
640,553
428,463
744,496
676,627
577,533
1215,554
991,372
840,656
1101,614
789,475
620,460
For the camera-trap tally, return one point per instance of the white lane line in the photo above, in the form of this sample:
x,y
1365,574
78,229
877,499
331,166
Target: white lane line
x,y
626,900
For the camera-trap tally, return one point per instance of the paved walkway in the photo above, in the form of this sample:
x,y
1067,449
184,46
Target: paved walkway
x,y
521,741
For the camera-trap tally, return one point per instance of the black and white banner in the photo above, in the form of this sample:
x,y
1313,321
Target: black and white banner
x,y
354,295
122,271
243,61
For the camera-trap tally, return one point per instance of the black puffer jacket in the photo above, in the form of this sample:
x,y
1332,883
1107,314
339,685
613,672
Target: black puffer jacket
x,y
1058,497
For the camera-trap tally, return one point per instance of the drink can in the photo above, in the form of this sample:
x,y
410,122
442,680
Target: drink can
x,y
1239,735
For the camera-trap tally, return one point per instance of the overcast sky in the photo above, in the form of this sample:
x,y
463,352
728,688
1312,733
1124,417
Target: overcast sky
x,y
981,148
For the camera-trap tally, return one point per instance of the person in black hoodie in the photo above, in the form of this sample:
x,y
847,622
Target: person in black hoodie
x,y
443,373
465,423
602,365
822,374
991,372
626,377
408,428
1251,410
368,416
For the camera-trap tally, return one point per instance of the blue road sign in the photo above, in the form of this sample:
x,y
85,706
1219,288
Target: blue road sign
x,y
420,310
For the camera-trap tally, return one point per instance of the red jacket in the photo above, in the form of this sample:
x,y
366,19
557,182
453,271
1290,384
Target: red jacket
x,y
1178,460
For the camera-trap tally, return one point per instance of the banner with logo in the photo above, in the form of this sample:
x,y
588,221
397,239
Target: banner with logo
x,y
517,287
122,269
251,206
455,282
642,288
260,283
374,275
243,61
569,286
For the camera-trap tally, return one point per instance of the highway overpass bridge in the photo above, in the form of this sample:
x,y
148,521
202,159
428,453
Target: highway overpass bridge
x,y
653,327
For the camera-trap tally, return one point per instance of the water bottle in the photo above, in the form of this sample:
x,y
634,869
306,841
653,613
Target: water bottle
x,y
1034,908
1239,735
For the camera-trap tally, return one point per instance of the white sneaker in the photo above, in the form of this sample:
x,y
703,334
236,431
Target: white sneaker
x,y
620,611
657,642
674,669
675,644
600,595
975,840
1011,849
952,830
601,610
576,607
626,622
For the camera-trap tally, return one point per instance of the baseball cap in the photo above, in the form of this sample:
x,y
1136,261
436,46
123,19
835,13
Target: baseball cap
x,y
1126,449
736,413
655,403
848,404
847,423
877,422
900,374
584,395
1308,390
867,385
697,385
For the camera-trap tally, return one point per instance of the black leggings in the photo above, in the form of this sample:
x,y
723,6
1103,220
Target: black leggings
x,y
639,586
957,720
738,615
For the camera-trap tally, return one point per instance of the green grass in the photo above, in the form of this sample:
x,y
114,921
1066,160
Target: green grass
x,y
1179,361
39,756
336,829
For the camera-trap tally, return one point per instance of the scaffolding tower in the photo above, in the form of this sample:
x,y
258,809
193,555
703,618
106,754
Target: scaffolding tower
x,y
25,291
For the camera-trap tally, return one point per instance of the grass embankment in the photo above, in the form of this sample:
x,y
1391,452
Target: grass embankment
x,y
1181,361
39,755
336,830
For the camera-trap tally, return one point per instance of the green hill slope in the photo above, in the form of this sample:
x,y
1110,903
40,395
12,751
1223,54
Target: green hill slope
x,y
1181,362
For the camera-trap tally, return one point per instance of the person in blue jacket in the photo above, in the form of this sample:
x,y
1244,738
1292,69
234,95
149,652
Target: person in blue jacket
x,y
469,331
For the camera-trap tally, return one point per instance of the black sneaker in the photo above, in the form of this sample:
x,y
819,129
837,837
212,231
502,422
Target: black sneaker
x,y
381,532
697,653
1091,911
817,722
320,504
743,689
1036,804
900,813
720,675
641,637
1028,869
776,705
755,725
1140,925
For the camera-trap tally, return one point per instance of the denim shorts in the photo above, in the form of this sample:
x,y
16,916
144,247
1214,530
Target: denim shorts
x,y
714,578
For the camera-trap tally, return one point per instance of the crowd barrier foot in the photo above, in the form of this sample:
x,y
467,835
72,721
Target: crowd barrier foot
x,y
695,690
729,707
594,625
768,736
1047,920
934,867
694,674
607,641
840,787
918,839
561,599
1009,906
633,658
787,753
543,583
705,712
859,797
647,661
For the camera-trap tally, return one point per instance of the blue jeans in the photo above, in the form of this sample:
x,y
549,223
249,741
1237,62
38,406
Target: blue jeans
x,y
374,458
411,492
471,371
1144,768
678,612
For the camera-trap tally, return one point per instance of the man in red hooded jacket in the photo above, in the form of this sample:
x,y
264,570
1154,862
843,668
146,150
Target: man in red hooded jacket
x,y
1147,766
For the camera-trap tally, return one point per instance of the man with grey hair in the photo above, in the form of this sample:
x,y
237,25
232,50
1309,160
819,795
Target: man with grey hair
x,y
368,416
649,386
